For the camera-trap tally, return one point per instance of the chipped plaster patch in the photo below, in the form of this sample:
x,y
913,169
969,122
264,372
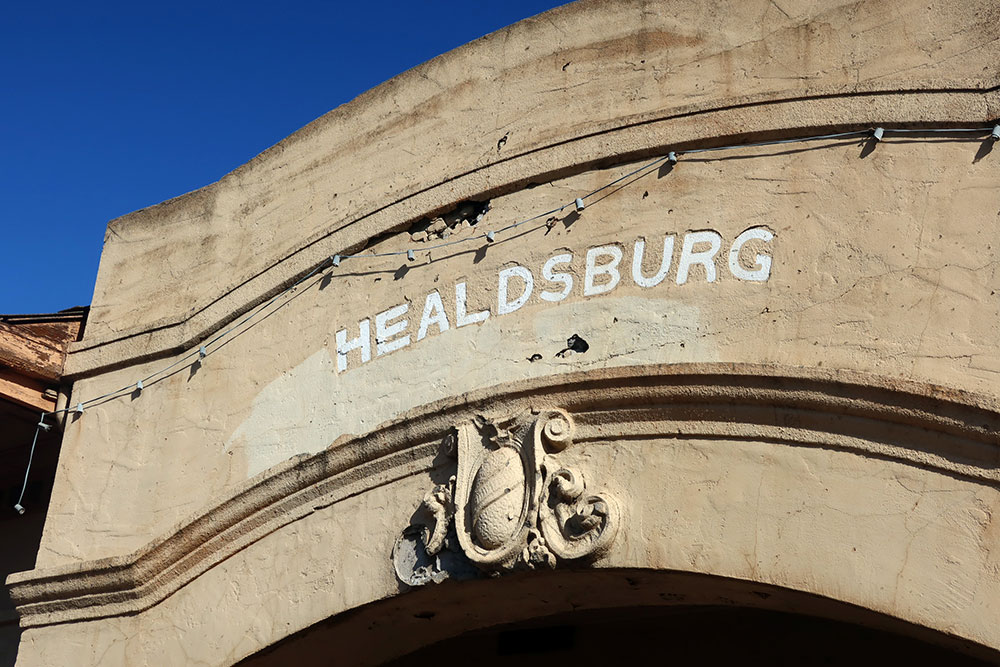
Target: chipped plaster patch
x,y
311,405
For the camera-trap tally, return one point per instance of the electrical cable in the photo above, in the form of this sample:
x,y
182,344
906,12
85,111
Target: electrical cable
x,y
334,261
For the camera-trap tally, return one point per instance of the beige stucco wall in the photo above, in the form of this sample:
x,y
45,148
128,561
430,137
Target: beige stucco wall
x,y
882,267
872,272
811,520
590,82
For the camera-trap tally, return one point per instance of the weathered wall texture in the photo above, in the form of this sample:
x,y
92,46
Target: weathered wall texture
x,y
872,271
859,266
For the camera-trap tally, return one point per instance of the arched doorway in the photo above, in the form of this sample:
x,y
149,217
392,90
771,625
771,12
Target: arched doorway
x,y
702,635
614,616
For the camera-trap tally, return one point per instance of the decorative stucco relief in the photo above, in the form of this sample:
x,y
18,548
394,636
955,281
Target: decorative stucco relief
x,y
510,504
950,432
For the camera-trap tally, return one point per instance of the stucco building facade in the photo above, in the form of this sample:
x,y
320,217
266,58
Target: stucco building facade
x,y
497,353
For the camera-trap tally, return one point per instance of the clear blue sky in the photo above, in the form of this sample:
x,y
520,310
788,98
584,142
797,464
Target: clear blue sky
x,y
106,108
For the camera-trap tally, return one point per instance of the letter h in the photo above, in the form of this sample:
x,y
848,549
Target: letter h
x,y
363,341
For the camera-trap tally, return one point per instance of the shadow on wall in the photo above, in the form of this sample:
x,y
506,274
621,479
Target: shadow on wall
x,y
615,616
21,535
687,635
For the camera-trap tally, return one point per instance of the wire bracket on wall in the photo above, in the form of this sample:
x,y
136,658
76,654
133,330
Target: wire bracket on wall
x,y
578,203
42,426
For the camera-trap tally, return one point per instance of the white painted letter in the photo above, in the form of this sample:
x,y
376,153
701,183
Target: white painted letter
x,y
668,252
384,331
564,278
504,306
433,314
462,316
704,257
611,269
363,341
760,274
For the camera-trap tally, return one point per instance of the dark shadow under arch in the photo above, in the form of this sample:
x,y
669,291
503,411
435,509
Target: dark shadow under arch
x,y
601,616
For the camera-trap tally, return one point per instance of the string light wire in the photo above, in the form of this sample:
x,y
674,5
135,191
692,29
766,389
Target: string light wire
x,y
334,261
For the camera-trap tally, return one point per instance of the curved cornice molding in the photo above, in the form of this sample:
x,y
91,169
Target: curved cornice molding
x,y
744,119
948,431
590,84
384,630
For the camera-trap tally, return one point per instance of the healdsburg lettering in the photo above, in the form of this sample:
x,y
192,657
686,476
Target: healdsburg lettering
x,y
604,269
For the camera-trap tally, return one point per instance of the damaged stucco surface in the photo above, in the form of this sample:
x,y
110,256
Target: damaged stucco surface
x,y
908,543
882,262
515,106
872,271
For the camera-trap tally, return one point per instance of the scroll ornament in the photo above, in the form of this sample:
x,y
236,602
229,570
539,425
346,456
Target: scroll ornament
x,y
510,504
